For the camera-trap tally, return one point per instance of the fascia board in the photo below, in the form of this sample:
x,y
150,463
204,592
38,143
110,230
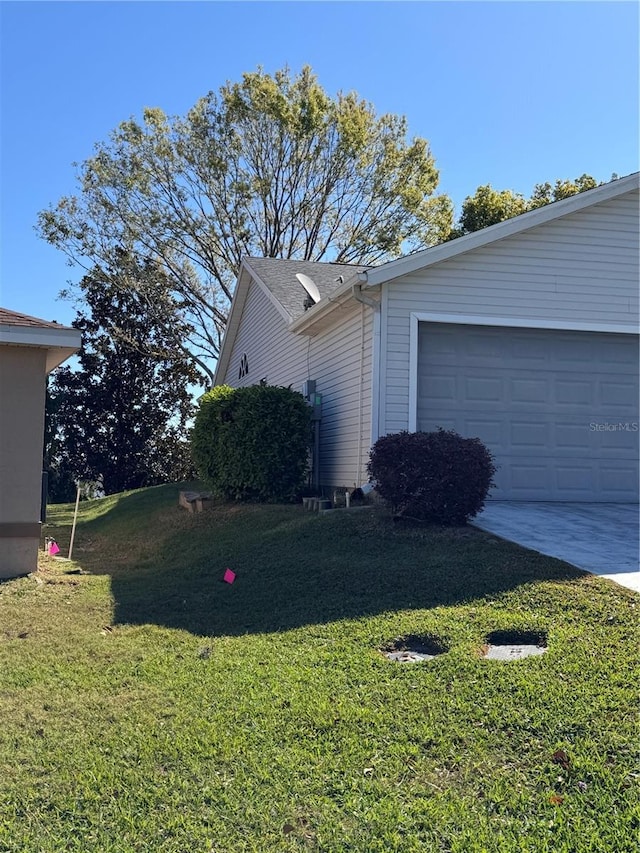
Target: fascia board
x,y
34,336
276,304
233,322
540,216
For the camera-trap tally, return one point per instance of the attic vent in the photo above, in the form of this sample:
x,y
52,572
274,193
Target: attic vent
x,y
244,366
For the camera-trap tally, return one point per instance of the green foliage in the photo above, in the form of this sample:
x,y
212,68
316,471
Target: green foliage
x,y
546,193
252,443
432,476
120,416
269,166
488,206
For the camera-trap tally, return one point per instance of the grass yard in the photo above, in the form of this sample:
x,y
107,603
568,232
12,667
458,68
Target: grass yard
x,y
148,706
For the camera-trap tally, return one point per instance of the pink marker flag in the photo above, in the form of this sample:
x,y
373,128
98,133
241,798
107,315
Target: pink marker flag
x,y
53,549
229,576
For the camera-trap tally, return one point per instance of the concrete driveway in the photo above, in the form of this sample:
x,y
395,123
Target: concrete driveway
x,y
599,538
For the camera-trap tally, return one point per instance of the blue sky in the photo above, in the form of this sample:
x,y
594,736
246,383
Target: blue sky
x,y
507,93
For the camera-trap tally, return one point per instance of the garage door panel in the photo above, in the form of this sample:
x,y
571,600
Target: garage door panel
x,y
541,401
573,438
440,388
616,354
617,394
529,476
529,435
573,392
577,479
566,352
490,431
535,391
483,390
616,480
618,441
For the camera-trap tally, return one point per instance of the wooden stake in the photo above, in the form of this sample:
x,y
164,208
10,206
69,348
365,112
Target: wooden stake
x,y
75,516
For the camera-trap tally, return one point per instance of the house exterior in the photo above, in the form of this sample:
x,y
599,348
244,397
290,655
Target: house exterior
x,y
524,334
29,350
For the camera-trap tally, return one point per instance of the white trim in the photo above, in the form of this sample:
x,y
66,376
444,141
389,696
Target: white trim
x,y
413,372
375,378
384,345
546,213
34,336
525,323
233,322
276,304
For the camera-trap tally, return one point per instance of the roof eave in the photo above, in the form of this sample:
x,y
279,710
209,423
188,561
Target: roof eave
x,y
59,343
321,309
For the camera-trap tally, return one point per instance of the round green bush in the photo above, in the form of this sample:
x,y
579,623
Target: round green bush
x,y
439,476
252,443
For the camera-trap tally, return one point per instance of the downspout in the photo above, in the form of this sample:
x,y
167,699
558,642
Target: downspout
x,y
364,299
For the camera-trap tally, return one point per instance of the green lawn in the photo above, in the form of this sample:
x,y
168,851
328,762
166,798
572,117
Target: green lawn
x,y
148,706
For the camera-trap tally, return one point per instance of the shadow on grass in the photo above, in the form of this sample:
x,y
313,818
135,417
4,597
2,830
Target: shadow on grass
x,y
292,568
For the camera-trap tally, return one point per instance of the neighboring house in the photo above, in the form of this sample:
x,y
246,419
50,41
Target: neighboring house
x,y
29,350
524,334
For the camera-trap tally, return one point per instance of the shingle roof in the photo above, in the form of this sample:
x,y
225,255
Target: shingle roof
x,y
14,318
279,276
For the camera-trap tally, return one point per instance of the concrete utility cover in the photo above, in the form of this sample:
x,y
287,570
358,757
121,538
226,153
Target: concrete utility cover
x,y
513,652
412,649
408,657
514,645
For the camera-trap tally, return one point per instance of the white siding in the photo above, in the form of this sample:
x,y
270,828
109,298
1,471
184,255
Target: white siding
x,y
340,360
273,353
581,268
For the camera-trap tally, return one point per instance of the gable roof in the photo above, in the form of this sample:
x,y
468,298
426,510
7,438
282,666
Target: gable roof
x,y
278,276
22,330
376,276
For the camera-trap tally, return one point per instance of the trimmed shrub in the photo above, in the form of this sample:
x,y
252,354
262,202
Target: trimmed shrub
x,y
252,444
439,476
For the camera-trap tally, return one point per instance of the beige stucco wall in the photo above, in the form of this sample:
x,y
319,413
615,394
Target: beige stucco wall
x,y
22,400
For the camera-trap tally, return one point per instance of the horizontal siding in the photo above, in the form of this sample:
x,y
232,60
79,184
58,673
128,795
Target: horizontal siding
x,y
273,353
581,268
337,358
334,359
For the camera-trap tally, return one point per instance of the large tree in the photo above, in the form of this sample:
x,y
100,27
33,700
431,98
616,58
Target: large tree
x,y
121,414
270,166
488,206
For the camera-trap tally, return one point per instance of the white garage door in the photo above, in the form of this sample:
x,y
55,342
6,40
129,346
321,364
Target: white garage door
x,y
559,410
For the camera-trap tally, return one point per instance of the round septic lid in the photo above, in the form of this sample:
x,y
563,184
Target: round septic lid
x,y
412,649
